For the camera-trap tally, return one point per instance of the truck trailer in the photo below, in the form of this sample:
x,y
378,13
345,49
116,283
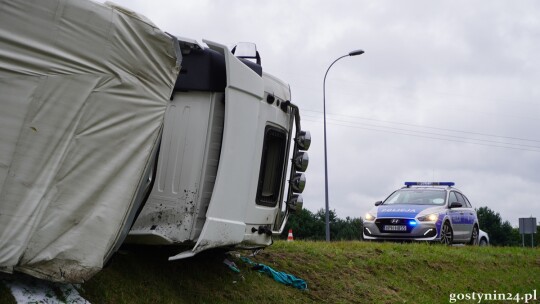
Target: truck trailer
x,y
113,131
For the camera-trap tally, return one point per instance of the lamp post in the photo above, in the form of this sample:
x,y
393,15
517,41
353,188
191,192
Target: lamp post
x,y
327,217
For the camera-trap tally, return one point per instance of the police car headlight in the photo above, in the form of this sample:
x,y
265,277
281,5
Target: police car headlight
x,y
369,217
429,218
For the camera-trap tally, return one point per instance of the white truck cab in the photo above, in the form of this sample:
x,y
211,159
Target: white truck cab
x,y
222,166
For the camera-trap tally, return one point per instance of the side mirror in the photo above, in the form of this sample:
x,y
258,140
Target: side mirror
x,y
378,203
247,50
295,203
455,205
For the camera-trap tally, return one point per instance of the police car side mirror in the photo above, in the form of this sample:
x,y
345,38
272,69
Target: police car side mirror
x,y
455,205
378,203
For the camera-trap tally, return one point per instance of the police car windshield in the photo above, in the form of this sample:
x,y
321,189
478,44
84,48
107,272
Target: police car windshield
x,y
417,197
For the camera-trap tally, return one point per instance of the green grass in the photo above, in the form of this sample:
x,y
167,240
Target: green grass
x,y
337,272
5,295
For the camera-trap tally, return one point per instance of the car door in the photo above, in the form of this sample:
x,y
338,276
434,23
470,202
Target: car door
x,y
457,217
469,215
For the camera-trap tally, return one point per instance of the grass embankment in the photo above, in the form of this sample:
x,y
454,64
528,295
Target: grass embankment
x,y
337,272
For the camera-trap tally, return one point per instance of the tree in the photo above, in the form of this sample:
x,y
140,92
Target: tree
x,y
309,226
305,226
348,229
500,233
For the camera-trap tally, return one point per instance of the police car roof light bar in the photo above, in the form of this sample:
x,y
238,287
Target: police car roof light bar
x,y
449,184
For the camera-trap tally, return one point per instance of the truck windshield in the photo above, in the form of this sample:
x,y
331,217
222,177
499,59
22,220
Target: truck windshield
x,y
272,167
417,197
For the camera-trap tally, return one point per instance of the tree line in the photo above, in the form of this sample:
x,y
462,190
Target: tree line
x,y
501,233
307,225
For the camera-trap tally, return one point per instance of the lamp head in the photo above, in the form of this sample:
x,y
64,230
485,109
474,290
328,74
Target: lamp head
x,y
356,52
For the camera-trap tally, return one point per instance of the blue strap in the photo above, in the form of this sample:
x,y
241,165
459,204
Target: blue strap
x,y
279,276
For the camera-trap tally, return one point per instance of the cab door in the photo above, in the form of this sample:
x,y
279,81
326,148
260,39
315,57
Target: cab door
x,y
225,223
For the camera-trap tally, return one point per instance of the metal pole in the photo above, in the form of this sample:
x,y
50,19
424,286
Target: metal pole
x,y
327,215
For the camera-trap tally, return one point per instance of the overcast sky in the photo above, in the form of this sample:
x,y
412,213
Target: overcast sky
x,y
446,90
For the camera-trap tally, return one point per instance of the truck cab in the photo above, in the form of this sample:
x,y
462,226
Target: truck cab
x,y
232,144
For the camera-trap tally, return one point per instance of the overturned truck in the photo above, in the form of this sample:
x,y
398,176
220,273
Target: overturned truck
x,y
113,131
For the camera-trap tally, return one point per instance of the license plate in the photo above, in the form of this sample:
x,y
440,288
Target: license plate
x,y
395,228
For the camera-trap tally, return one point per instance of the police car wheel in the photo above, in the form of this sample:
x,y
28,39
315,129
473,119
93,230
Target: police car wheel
x,y
447,235
483,242
474,236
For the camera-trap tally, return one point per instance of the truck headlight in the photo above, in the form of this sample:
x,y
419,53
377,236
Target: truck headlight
x,y
429,218
298,183
295,203
301,161
304,140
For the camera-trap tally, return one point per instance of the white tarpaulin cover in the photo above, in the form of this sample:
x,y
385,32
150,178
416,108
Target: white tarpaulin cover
x,y
83,92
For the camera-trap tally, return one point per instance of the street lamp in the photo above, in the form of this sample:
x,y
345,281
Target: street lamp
x,y
327,218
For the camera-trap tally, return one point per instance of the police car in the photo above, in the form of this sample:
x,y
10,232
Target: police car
x,y
428,211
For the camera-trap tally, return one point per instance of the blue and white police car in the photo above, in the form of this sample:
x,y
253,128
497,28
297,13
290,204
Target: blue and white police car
x,y
428,211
